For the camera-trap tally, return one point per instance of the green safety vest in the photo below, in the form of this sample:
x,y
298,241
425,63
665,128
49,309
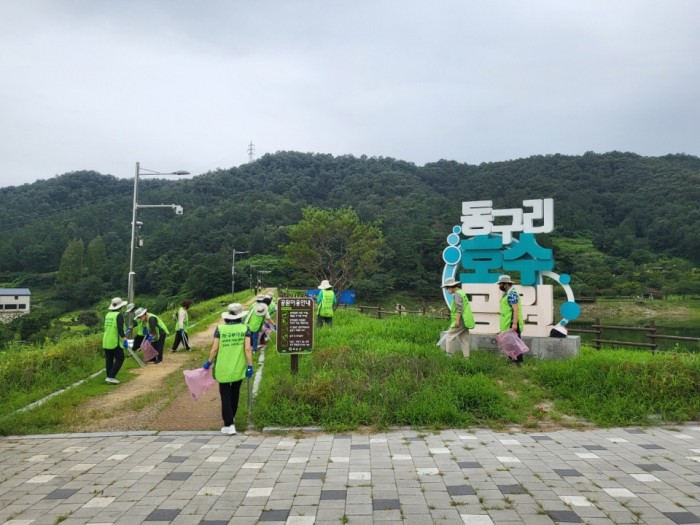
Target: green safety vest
x,y
507,312
230,364
325,306
467,315
161,325
110,339
254,321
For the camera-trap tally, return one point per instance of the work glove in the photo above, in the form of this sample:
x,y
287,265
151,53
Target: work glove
x,y
149,338
125,344
249,371
145,332
206,365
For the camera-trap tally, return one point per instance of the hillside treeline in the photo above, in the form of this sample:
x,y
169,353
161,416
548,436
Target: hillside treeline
x,y
623,223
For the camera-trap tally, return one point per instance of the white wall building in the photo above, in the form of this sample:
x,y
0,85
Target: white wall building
x,y
14,302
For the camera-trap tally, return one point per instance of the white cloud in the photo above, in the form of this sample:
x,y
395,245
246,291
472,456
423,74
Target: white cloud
x,y
187,85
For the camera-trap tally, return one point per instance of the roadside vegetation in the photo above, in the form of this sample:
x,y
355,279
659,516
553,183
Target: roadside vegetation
x,y
370,373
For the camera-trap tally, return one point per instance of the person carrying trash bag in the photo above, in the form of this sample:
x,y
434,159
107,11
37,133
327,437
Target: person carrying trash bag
x,y
154,331
114,340
232,359
255,319
182,324
136,328
326,301
461,320
511,317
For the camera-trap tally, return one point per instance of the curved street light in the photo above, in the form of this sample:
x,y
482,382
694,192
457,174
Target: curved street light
x,y
176,208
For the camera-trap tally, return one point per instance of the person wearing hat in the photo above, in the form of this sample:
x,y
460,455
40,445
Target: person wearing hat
x,y
136,328
256,317
154,331
233,360
181,326
267,327
326,301
461,321
511,310
114,340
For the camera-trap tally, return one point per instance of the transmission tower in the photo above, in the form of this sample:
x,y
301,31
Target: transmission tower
x,y
251,151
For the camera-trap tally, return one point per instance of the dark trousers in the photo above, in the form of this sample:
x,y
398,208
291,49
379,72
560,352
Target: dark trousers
x,y
138,339
320,321
158,345
181,337
254,338
114,358
229,393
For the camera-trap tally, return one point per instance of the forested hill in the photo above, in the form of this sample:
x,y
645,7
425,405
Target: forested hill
x,y
614,214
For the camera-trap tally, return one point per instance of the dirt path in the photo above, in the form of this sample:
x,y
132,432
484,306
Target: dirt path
x,y
136,405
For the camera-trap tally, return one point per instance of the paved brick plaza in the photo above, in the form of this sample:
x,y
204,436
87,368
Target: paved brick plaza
x,y
613,476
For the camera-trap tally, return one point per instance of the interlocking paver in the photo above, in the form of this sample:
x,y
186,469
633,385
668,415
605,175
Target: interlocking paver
x,y
598,477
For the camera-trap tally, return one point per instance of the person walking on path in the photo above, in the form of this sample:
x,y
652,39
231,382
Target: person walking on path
x,y
256,319
154,330
114,340
182,326
326,301
232,358
461,321
511,311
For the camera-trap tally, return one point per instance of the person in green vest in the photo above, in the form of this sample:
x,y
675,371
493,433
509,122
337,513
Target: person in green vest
x,y
268,299
461,320
511,311
233,360
256,318
154,331
326,301
136,328
182,325
114,340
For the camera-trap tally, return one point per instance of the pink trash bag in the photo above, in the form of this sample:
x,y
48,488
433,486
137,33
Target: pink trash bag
x,y
148,351
511,344
199,381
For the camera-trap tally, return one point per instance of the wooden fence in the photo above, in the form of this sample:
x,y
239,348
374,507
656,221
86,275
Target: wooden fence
x,y
650,330
596,329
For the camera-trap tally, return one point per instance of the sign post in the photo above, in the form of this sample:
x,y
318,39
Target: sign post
x,y
295,327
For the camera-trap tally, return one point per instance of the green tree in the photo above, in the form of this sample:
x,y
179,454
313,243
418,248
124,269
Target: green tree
x,y
71,268
334,245
96,258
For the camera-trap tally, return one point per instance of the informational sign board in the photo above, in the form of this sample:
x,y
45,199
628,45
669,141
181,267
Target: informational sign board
x,y
295,325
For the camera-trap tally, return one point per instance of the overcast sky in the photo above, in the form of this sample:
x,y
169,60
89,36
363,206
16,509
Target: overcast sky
x,y
176,84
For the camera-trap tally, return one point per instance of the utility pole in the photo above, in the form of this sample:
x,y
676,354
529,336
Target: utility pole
x,y
233,272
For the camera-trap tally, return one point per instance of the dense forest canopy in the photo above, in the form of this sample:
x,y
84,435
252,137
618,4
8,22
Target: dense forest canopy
x,y
623,222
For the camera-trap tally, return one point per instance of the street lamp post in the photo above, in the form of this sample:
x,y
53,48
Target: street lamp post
x,y
134,211
233,271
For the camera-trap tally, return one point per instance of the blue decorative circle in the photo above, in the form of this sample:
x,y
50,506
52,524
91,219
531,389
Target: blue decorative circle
x,y
564,279
570,310
451,255
457,229
453,239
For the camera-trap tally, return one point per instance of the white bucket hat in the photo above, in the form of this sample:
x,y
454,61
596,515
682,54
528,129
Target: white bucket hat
x,y
261,309
140,311
117,303
233,311
450,282
504,279
325,285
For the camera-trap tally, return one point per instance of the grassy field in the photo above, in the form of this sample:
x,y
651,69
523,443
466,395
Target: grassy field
x,y
383,373
378,374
